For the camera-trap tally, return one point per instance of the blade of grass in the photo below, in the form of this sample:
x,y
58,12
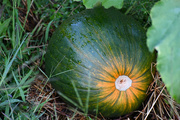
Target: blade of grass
x,y
88,95
47,31
4,25
13,25
39,106
55,111
7,112
77,94
9,63
3,47
18,34
61,73
6,116
130,8
26,77
20,89
52,71
31,60
29,4
74,114
69,100
97,108
10,101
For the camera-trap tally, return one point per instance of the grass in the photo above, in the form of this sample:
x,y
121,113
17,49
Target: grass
x,y
24,32
26,27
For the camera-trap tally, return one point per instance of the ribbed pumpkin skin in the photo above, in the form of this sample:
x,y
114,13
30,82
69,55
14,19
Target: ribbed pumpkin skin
x,y
92,49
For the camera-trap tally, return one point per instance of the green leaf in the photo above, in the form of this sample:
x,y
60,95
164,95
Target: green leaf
x,y
164,36
109,3
106,3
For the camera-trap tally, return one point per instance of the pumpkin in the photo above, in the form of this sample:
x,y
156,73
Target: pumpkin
x,y
99,60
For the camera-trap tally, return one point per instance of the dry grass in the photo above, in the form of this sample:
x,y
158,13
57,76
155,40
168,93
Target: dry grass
x,y
158,106
41,92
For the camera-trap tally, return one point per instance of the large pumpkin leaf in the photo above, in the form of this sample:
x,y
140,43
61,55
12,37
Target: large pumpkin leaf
x,y
164,36
106,3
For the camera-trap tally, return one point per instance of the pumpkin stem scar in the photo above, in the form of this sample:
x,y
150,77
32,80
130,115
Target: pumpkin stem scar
x,y
123,82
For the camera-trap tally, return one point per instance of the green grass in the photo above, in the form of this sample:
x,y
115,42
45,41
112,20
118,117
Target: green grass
x,y
25,29
24,33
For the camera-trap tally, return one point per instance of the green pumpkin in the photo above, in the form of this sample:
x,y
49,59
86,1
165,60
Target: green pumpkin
x,y
101,54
